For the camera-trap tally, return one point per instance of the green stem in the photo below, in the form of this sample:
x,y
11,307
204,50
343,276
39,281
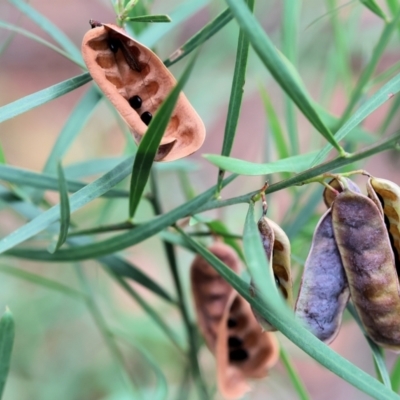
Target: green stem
x,y
190,330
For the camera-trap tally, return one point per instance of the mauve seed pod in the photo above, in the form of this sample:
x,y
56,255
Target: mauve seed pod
x,y
368,260
337,184
243,350
277,250
324,290
136,82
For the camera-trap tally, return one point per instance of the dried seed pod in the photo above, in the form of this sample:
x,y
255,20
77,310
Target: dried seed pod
x,y
136,82
386,195
368,260
243,351
277,249
229,328
324,290
337,184
210,291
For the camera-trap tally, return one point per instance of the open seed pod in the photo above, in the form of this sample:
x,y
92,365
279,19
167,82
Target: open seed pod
x,y
324,290
386,195
277,250
136,82
337,185
243,351
231,332
368,260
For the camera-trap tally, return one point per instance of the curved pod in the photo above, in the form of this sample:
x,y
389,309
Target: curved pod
x,y
324,290
231,332
338,186
277,250
243,351
136,82
368,260
386,195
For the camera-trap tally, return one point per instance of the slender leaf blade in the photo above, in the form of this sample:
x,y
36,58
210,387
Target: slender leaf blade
x,y
150,142
292,164
7,333
280,68
26,103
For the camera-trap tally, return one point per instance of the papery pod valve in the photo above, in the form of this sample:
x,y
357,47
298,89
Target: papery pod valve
x,y
136,82
241,349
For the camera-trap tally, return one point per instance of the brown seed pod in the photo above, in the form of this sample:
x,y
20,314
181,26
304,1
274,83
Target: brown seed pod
x,y
229,328
386,195
211,292
243,351
324,290
136,82
277,249
368,260
338,187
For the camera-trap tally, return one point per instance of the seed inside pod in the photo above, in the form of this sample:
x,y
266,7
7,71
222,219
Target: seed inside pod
x,y
368,260
124,68
324,291
243,352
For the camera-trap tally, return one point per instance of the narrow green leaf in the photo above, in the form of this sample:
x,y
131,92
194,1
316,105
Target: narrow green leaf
x,y
154,33
366,75
115,243
393,6
52,30
115,263
292,164
373,6
290,33
274,125
149,310
41,281
236,96
40,40
161,391
74,125
7,333
395,376
200,37
262,275
280,68
77,200
25,177
149,18
375,101
150,142
376,350
293,330
293,375
43,96
64,212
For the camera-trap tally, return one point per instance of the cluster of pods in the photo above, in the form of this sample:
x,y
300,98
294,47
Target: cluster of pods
x,y
354,255
136,82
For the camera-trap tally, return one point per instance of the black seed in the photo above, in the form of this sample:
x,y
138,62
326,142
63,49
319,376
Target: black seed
x,y
234,341
135,102
277,281
231,323
146,117
114,44
238,355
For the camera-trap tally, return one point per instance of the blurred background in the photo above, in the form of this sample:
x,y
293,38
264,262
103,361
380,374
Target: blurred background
x,y
59,351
